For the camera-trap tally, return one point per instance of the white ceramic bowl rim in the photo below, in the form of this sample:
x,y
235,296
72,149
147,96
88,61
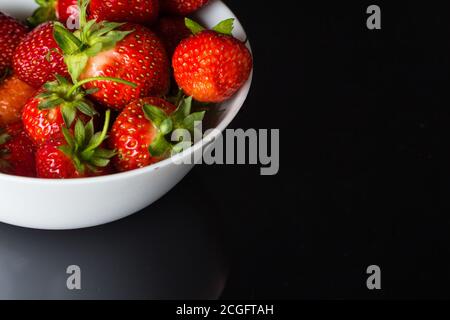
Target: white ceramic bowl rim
x,y
175,159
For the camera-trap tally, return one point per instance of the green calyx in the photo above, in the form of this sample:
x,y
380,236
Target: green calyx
x,y
71,98
165,124
68,97
83,146
45,12
225,27
89,40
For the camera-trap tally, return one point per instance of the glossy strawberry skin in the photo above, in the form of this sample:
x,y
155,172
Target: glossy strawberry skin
x,y
41,125
14,93
51,163
35,59
172,30
18,152
137,11
44,125
211,67
11,33
139,58
66,9
182,7
132,134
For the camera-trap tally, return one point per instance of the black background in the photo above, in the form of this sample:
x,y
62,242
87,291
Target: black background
x,y
364,173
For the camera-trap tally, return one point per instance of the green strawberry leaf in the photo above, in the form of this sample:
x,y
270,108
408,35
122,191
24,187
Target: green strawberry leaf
x,y
104,153
89,130
180,147
68,113
85,108
69,138
154,114
76,64
66,149
225,27
45,12
80,134
66,40
160,146
99,162
50,103
166,126
193,26
190,121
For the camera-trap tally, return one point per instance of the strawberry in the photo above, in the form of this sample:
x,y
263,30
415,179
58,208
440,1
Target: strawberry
x,y
137,11
14,93
127,51
67,11
171,30
182,7
16,152
11,33
37,58
50,10
78,155
212,65
58,104
139,132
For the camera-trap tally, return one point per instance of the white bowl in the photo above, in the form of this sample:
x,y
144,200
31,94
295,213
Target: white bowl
x,y
80,203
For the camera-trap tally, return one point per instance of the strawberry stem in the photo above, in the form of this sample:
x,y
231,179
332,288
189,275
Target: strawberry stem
x,y
103,134
82,82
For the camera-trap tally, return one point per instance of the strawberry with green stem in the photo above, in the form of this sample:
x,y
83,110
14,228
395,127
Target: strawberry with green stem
x,y
140,133
80,154
212,65
50,10
126,51
57,104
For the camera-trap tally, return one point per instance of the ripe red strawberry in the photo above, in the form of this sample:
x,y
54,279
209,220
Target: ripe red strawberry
x,y
16,152
182,7
67,11
172,30
57,104
14,93
139,132
11,33
37,58
212,65
127,51
78,155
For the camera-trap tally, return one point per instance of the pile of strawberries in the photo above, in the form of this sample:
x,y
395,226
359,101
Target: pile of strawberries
x,y
90,88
